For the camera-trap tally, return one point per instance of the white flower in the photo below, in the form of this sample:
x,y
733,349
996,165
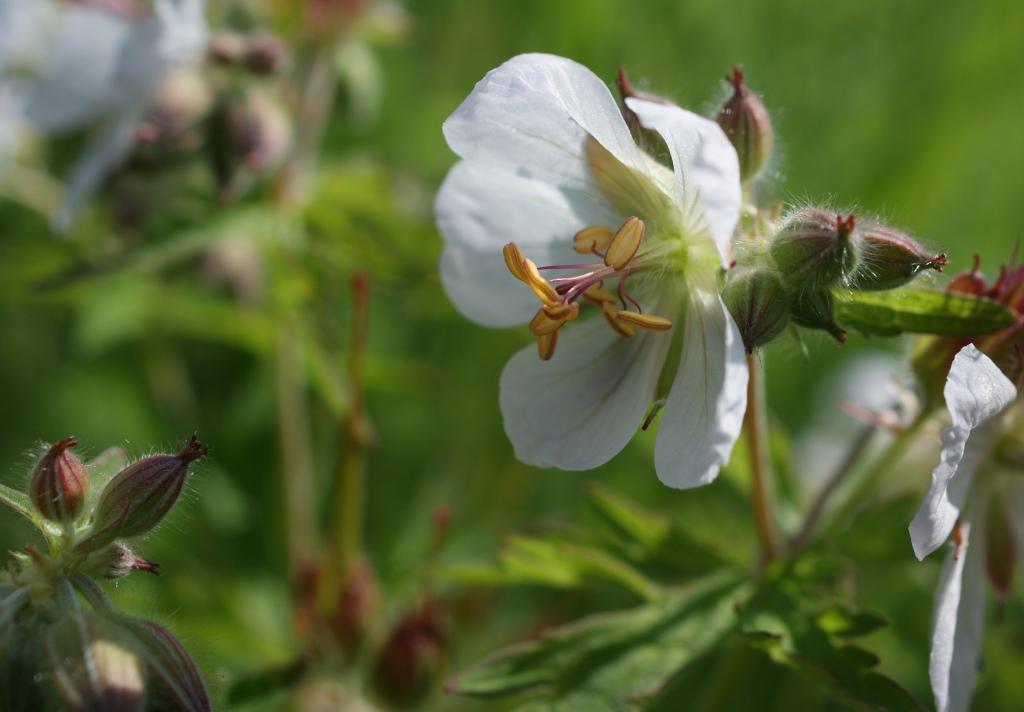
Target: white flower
x,y
961,501
74,64
549,170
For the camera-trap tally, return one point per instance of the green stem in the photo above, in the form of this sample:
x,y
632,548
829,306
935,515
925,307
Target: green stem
x,y
755,429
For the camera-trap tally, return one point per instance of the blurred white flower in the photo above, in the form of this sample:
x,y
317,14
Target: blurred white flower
x,y
968,501
67,65
550,170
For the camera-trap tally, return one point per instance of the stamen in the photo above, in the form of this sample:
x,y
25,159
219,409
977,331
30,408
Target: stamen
x,y
565,312
611,315
645,321
593,239
544,291
546,345
544,322
514,260
625,243
597,294
624,296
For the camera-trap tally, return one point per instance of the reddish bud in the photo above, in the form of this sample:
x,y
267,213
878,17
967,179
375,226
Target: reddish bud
x,y
59,483
226,48
814,248
139,496
748,126
969,282
412,659
888,258
813,309
1000,552
357,606
174,681
759,304
651,140
265,54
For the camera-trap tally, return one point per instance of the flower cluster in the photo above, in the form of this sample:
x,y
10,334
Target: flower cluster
x,y
57,625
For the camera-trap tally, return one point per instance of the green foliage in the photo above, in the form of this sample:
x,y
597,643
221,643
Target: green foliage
x,y
920,311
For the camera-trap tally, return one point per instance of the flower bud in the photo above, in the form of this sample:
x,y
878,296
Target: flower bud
x,y
889,259
226,48
1000,552
356,607
814,309
970,282
748,126
116,561
172,121
249,135
814,247
94,665
412,659
758,303
265,54
650,140
174,681
139,496
59,483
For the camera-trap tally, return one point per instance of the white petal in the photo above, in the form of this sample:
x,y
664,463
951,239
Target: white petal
x,y
704,413
976,391
707,170
958,624
76,81
532,116
579,409
479,210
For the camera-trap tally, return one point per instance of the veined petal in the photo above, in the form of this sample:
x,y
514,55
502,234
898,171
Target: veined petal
x,y
958,623
704,412
579,409
532,116
976,391
479,210
707,170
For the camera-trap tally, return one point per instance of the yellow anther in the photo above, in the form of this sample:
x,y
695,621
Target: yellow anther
x,y
611,315
598,294
625,243
540,286
592,239
546,345
514,261
645,321
565,312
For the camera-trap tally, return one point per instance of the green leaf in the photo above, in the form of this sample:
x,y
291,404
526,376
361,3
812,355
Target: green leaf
x,y
20,503
608,661
556,563
920,311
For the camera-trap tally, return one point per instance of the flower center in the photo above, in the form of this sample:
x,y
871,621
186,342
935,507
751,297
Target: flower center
x,y
560,297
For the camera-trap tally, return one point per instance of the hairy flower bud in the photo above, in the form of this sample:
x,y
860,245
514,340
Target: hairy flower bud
x,y
59,483
139,496
412,659
814,248
651,140
748,126
94,665
116,561
888,258
813,309
758,303
174,681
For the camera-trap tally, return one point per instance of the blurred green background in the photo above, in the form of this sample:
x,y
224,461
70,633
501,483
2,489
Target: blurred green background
x,y
911,110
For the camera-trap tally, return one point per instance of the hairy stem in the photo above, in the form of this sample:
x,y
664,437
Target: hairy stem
x,y
755,428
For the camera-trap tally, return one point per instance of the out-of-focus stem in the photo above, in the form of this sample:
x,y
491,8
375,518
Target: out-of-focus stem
x,y
888,459
356,436
863,439
755,428
296,465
